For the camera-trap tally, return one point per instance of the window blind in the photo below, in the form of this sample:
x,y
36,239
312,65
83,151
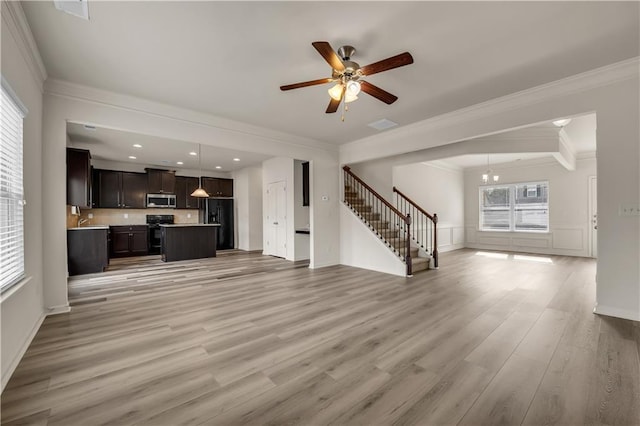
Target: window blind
x,y
11,190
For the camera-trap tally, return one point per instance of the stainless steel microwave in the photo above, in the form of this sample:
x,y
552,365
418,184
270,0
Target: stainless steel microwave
x,y
161,200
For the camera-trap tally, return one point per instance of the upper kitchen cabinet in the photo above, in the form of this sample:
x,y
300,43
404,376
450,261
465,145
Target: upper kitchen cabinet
x,y
113,189
218,187
184,188
161,181
78,177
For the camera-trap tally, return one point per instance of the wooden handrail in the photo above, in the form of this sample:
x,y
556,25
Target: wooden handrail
x,y
347,169
434,217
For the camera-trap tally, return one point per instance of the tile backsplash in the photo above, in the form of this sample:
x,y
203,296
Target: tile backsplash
x,y
134,216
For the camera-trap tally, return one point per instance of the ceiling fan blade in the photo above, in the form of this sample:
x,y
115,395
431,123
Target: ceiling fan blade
x,y
333,104
378,93
388,64
329,54
306,84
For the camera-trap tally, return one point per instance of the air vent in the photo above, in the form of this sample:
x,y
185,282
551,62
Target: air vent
x,y
383,124
78,8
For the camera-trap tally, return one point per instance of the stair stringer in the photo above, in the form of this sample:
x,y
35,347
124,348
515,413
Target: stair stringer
x,y
362,248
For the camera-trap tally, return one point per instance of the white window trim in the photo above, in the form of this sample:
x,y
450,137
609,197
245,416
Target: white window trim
x,y
512,209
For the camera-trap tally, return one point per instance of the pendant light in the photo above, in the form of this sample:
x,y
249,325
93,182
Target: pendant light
x,y
487,174
200,193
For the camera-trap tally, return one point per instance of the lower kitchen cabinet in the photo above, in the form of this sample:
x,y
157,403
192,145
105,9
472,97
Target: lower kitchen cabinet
x,y
129,240
87,250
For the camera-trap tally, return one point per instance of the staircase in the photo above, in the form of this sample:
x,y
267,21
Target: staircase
x,y
392,226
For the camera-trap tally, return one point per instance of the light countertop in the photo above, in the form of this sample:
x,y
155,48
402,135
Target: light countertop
x,y
93,227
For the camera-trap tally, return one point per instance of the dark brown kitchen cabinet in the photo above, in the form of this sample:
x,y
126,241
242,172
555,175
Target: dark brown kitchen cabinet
x,y
87,250
117,190
161,181
218,187
184,187
78,177
129,240
134,190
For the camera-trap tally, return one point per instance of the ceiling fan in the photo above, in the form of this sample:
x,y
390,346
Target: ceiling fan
x,y
347,75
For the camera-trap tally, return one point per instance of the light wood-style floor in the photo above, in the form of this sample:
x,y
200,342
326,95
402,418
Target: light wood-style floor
x,y
247,339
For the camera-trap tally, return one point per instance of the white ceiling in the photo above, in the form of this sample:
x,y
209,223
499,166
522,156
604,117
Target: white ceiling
x,y
116,145
229,58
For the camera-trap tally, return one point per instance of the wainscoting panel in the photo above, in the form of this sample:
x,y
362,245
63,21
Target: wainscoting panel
x,y
458,235
568,239
530,242
494,241
444,237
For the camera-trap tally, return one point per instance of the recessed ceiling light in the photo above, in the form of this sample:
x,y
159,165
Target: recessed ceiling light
x,y
236,159
218,167
89,127
137,145
382,124
180,163
132,157
193,153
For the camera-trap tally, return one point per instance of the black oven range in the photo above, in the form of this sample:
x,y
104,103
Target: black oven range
x,y
154,221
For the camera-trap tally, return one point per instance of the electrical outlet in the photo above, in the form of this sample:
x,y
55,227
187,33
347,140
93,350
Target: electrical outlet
x,y
126,215
628,210
90,216
188,215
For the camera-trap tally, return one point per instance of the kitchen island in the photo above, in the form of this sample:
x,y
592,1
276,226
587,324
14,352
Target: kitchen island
x,y
188,241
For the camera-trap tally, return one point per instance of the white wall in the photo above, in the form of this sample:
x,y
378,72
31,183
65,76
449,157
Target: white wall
x,y
612,93
280,169
361,248
437,190
301,215
248,195
22,307
378,174
569,221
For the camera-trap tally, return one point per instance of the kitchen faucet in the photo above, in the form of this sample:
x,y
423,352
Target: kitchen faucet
x,y
81,221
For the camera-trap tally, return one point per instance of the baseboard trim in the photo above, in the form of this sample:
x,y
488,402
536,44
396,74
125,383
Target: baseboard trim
x,y
60,309
616,312
6,375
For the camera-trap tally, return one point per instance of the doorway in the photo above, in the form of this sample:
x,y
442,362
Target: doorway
x,y
276,221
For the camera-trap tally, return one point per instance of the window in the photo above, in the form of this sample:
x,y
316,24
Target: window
x,y
11,190
522,207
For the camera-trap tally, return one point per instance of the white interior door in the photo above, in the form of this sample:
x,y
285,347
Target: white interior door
x,y
593,214
276,219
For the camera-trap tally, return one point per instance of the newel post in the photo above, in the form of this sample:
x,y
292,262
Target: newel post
x,y
408,247
435,241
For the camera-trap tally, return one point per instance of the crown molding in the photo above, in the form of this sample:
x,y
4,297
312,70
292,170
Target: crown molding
x,y
13,16
577,83
73,91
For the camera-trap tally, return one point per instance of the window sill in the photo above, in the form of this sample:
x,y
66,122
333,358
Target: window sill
x,y
516,232
7,293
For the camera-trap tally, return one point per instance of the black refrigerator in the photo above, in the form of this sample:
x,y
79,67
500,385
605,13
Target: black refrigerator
x,y
220,210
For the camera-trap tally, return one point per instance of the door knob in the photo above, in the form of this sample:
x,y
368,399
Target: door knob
x,y
275,223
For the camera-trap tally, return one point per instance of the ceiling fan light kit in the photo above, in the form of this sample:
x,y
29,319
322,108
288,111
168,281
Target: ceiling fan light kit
x,y
347,74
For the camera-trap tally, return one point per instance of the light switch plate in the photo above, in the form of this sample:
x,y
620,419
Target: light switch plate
x,y
126,215
90,216
629,210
